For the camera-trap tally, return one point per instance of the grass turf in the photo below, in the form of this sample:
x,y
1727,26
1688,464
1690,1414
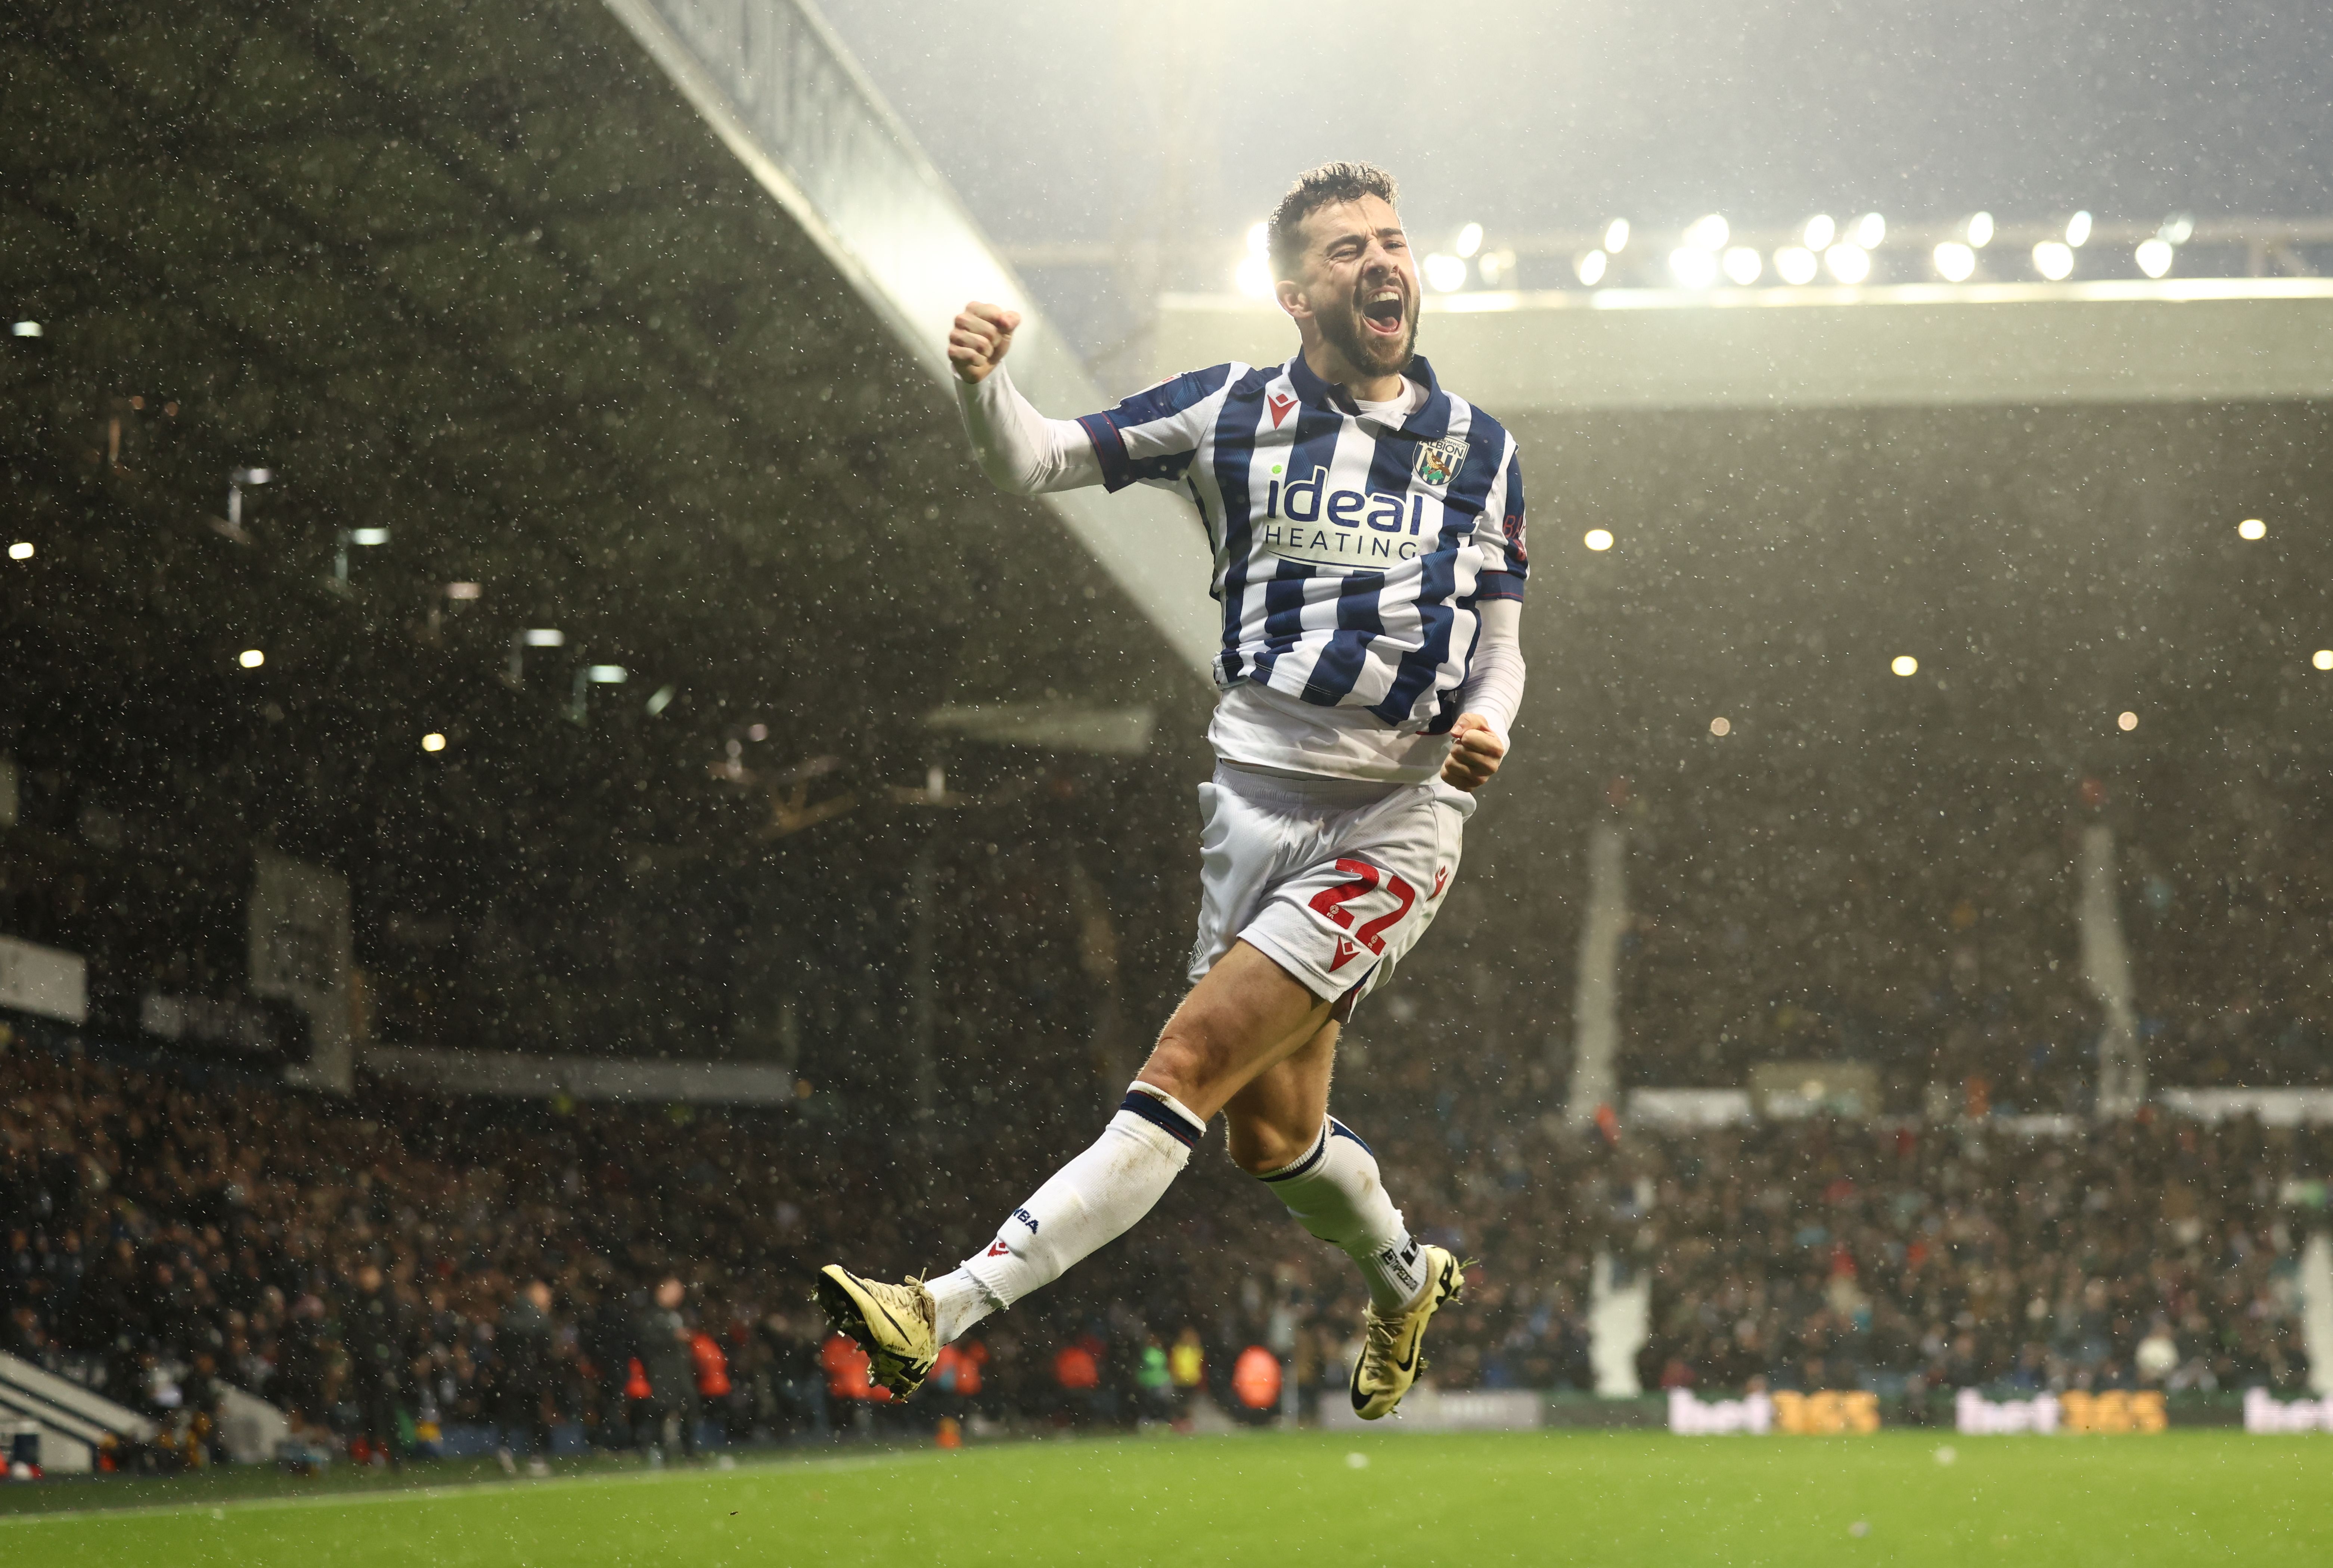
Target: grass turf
x,y
1606,1498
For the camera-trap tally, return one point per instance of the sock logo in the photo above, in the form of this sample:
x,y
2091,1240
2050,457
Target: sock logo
x,y
1023,1217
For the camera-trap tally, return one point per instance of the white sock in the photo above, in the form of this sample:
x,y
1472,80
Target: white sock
x,y
1335,1192
1088,1203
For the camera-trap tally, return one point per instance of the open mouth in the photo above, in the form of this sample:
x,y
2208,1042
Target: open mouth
x,y
1385,311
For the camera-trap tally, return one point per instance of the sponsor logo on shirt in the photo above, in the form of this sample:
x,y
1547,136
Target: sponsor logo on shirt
x,y
1303,520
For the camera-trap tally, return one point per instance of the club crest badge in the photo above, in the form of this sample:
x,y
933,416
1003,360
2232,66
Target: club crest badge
x,y
1438,461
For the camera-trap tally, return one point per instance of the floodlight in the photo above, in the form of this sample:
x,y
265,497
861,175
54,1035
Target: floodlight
x,y
2177,229
2322,659
1253,277
1616,235
543,637
1591,267
1708,234
1795,264
662,699
1905,664
465,589
1869,230
610,674
1470,240
251,475
1693,267
26,329
1598,539
1980,231
368,536
2054,260
1956,262
1741,265
251,659
1850,264
2252,528
1259,238
2078,230
1820,232
433,741
2153,257
1446,274
20,551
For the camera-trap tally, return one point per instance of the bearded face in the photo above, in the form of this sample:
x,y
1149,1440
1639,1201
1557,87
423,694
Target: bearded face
x,y
1360,284
1377,326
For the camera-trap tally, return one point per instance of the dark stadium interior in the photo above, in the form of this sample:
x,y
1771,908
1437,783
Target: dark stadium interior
x,y
542,327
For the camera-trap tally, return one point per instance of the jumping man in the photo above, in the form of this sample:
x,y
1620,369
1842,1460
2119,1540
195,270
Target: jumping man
x,y
1367,529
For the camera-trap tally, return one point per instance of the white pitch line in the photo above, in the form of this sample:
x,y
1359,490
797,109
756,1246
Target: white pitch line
x,y
462,1489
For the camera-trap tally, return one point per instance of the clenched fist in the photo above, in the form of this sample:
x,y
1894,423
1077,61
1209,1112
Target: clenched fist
x,y
981,338
1475,749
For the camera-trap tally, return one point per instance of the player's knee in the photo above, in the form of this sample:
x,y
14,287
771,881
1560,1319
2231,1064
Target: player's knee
x,y
1188,1061
1258,1148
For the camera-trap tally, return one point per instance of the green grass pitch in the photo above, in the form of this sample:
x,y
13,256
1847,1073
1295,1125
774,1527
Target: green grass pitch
x,y
1608,1498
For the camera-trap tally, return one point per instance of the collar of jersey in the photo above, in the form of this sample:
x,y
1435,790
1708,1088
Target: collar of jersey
x,y
1429,422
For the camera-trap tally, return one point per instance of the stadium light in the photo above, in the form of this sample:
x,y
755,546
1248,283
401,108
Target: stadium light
x,y
1741,265
662,699
20,551
1616,235
2322,659
2126,721
1591,267
367,536
1795,264
2252,528
1955,263
2153,257
543,637
610,674
1446,274
251,659
1819,233
1693,267
2177,229
1598,539
1709,233
1721,726
1870,229
2054,259
1980,231
433,741
236,478
1252,276
25,330
1905,664
1850,264
1470,240
465,591
2078,230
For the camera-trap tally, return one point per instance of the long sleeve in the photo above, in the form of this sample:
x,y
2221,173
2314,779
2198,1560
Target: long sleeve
x,y
1019,449
1494,681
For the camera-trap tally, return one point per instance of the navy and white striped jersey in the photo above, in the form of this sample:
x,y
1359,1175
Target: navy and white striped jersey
x,y
1349,555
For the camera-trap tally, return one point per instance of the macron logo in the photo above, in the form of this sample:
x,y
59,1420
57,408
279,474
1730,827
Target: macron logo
x,y
1281,403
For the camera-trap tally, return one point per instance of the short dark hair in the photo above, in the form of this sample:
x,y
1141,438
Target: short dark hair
x,y
1326,186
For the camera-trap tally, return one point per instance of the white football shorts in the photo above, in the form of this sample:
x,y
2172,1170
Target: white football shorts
x,y
1333,880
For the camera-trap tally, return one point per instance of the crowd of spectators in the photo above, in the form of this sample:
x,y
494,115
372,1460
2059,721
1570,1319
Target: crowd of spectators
x,y
404,1272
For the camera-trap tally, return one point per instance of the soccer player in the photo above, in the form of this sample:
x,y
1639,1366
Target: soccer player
x,y
1368,528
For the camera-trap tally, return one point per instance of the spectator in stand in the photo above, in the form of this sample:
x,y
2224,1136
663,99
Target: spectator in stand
x,y
851,1394
1187,1365
671,1370
375,1335
523,1345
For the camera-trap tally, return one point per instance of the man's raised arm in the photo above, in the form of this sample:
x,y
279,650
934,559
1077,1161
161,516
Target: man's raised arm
x,y
1018,448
